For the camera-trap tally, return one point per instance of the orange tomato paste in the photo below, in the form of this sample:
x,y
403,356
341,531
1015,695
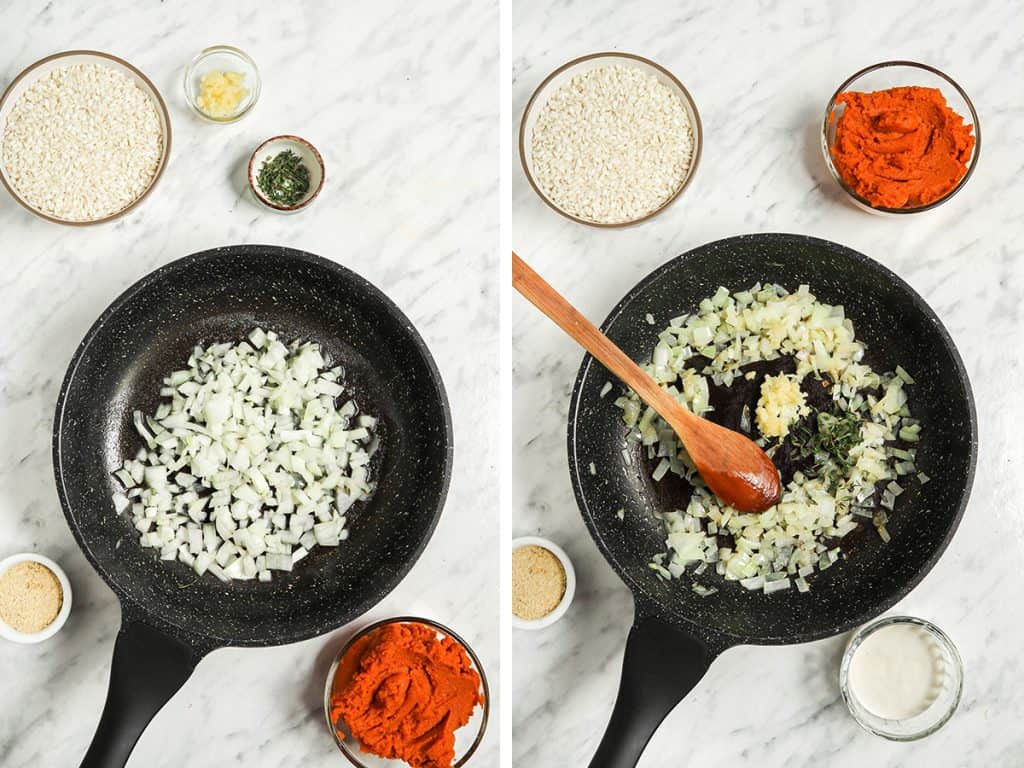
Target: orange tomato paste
x,y
409,693
901,148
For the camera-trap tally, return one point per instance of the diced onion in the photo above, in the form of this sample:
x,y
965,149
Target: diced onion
x,y
251,463
790,540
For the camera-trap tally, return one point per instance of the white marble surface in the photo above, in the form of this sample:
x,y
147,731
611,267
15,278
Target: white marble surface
x,y
761,75
401,101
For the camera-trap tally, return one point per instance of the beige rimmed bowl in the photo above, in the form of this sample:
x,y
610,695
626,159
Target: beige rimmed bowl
x,y
31,74
566,72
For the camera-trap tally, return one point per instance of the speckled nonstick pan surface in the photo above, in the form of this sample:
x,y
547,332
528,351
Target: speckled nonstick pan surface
x,y
677,634
170,617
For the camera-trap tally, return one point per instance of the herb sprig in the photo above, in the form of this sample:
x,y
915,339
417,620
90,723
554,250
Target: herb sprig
x,y
284,178
828,437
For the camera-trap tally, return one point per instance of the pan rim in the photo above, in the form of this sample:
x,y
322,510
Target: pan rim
x,y
212,640
643,601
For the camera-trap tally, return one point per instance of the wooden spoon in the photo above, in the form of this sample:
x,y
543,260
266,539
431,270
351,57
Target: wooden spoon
x,y
734,468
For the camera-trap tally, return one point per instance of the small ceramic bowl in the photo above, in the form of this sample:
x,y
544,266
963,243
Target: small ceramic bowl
x,y
222,58
54,627
569,70
30,75
570,583
947,694
893,74
311,158
467,738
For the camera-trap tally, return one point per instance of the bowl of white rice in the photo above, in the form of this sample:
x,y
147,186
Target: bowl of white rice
x,y
84,137
610,139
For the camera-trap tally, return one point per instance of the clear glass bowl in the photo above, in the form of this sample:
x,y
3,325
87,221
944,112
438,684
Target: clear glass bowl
x,y
467,738
948,690
575,67
223,58
893,74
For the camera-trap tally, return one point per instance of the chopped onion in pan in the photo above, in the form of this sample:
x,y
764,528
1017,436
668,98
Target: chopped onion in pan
x,y
789,542
250,461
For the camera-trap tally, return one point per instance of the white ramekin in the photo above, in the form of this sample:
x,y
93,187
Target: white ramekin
x,y
8,632
570,583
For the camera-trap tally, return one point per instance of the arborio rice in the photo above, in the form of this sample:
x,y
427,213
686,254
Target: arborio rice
x,y
612,145
82,143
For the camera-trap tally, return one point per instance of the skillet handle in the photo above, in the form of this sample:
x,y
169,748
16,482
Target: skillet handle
x,y
662,664
147,670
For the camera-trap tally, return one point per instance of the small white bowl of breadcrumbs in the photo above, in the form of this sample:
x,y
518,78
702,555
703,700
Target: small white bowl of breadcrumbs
x,y
35,598
543,582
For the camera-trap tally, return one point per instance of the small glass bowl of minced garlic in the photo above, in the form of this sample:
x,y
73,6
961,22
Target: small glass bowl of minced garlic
x,y
222,84
35,598
543,582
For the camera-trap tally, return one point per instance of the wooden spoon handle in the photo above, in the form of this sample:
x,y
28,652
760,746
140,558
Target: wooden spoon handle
x,y
549,301
733,466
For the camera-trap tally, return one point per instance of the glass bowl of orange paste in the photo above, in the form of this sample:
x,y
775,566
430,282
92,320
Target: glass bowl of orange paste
x,y
407,691
900,137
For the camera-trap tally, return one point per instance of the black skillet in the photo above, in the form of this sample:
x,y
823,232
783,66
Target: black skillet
x,y
676,634
170,618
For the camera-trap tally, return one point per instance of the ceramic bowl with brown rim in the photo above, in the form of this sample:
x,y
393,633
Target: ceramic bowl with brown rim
x,y
32,74
551,85
310,158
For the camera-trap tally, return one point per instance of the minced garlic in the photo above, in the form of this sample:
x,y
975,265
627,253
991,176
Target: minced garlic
x,y
220,93
781,403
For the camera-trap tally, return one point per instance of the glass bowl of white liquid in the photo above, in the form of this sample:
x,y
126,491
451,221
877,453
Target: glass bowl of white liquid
x,y
901,678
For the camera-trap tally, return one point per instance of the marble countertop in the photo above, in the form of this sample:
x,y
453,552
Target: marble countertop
x,y
400,101
761,75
